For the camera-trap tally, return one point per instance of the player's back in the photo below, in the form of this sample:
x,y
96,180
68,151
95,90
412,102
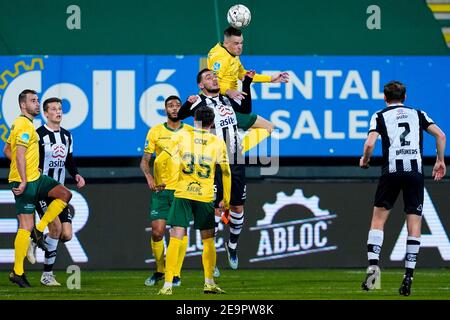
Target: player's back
x,y
401,129
198,152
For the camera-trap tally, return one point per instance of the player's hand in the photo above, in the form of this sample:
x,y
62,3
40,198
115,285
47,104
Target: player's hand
x,y
192,99
439,170
235,94
160,187
250,73
224,205
280,77
80,181
151,183
20,188
363,164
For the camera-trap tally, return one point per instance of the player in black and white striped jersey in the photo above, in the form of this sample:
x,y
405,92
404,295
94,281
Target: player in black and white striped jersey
x,y
401,130
225,126
55,156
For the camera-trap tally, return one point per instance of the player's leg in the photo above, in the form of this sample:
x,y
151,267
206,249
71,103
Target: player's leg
x,y
179,217
66,221
260,130
181,253
52,239
61,195
158,216
385,197
236,218
204,221
21,243
218,214
41,207
413,199
25,206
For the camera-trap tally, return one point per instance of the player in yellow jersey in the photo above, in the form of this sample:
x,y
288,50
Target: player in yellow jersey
x,y
158,138
224,60
28,185
199,152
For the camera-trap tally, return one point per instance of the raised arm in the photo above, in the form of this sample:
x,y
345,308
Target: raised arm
x,y
186,109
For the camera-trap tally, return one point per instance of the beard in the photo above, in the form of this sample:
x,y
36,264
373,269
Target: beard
x,y
172,118
215,90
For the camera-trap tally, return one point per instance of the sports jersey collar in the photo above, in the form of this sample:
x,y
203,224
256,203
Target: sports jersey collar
x,y
22,115
395,105
173,130
211,97
50,129
221,44
201,130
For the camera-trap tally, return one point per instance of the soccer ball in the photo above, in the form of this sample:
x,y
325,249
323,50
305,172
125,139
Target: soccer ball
x,y
239,16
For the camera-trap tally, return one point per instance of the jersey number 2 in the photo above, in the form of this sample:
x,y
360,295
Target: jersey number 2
x,y
403,141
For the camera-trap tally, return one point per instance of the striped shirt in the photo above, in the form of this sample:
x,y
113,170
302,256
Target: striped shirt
x,y
55,153
225,122
401,129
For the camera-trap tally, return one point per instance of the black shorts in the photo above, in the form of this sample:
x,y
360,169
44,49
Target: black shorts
x,y
412,185
65,216
238,186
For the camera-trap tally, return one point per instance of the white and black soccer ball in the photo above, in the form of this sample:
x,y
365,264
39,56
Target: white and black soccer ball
x,y
239,16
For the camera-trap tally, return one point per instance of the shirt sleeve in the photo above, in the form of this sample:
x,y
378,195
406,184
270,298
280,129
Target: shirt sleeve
x,y
218,65
23,136
187,109
425,120
262,78
150,141
374,124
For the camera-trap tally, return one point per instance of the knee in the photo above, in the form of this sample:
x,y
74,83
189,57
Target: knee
x,y
67,195
237,209
270,127
66,237
157,235
54,231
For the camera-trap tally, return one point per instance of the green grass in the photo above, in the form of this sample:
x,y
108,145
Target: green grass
x,y
303,284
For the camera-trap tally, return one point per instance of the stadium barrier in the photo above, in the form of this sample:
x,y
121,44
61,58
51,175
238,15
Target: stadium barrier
x,y
289,224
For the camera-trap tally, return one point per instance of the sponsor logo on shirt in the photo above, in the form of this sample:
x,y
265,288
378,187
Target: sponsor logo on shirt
x,y
195,188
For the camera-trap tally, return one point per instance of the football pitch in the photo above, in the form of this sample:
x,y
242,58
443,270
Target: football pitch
x,y
300,284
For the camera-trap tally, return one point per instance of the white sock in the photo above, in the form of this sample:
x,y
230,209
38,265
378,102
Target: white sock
x,y
167,285
412,249
374,243
209,281
52,245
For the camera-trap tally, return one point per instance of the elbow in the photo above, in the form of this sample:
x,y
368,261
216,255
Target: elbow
x,y
442,136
